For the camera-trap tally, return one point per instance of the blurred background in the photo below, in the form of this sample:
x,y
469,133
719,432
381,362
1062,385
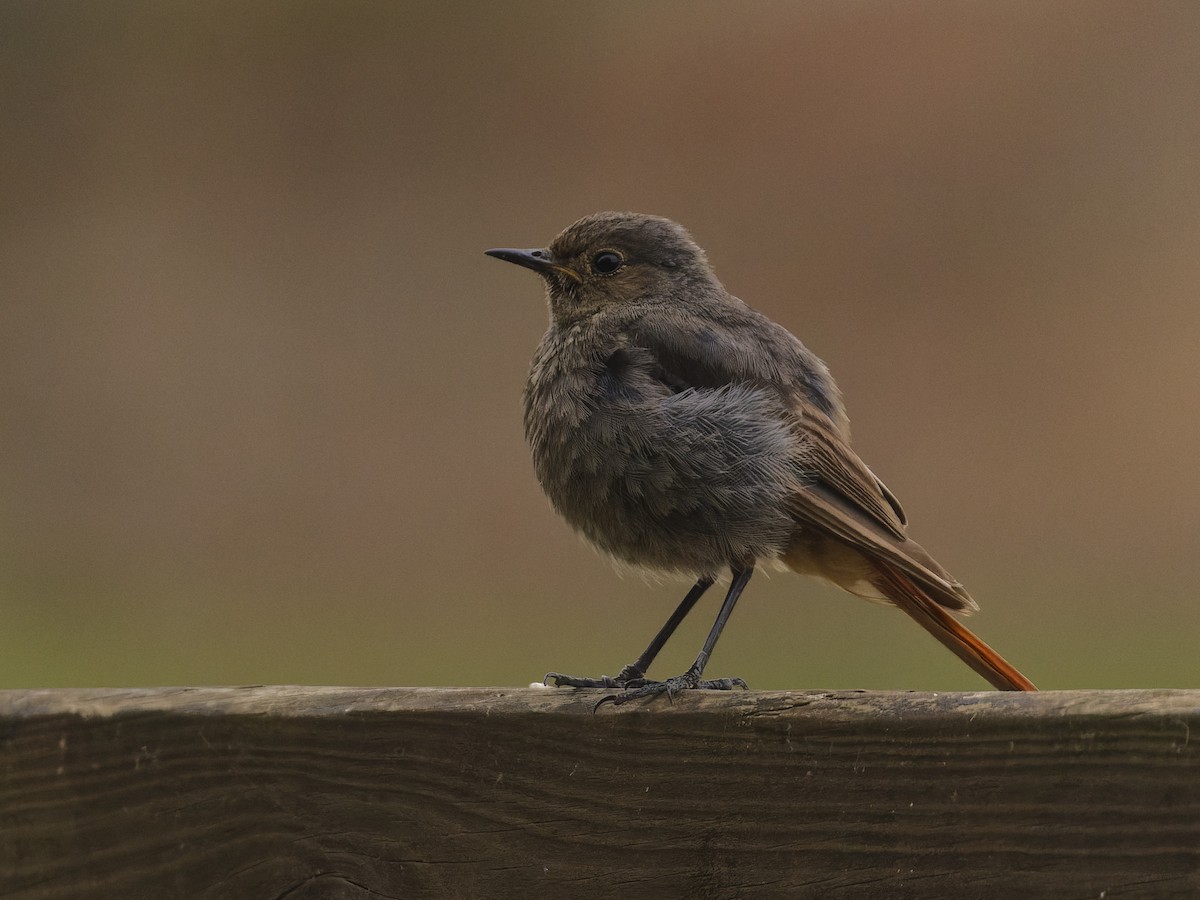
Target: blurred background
x,y
260,388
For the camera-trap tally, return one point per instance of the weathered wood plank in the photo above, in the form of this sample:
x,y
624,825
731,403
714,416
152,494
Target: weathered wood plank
x,y
345,792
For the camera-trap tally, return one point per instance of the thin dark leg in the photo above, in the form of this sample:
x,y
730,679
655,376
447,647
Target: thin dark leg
x,y
635,672
691,678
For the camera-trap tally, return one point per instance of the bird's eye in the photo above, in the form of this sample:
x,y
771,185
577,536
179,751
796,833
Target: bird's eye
x,y
606,262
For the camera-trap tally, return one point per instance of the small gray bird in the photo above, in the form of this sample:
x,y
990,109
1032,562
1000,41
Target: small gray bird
x,y
680,430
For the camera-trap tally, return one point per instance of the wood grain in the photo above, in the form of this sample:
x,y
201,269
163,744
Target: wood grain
x,y
305,792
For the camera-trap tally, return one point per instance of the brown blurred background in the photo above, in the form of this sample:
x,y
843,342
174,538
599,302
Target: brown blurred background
x,y
259,387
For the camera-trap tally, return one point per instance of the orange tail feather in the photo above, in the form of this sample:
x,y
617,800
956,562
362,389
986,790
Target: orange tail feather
x,y
935,619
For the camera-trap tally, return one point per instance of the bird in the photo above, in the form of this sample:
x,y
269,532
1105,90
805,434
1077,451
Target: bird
x,y
681,431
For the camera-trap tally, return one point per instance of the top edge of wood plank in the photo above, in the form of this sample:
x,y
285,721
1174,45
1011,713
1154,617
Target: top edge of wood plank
x,y
326,701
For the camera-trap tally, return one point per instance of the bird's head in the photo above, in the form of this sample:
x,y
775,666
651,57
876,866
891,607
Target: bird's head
x,y
610,258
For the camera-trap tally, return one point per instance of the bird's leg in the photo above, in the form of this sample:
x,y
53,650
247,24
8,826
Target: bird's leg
x,y
634,674
691,678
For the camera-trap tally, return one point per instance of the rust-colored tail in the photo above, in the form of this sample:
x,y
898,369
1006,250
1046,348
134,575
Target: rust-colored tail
x,y
934,618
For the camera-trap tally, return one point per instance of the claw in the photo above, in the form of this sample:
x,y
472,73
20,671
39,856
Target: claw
x,y
560,680
723,684
671,687
633,685
629,677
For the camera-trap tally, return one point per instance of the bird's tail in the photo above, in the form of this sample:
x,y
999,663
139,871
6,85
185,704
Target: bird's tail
x,y
905,593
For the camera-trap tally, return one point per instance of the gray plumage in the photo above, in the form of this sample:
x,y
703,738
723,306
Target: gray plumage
x,y
678,429
644,470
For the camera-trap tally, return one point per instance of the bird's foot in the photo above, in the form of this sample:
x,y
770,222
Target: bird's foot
x,y
688,681
629,677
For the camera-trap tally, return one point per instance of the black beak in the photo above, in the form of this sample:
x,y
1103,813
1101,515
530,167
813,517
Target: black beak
x,y
541,261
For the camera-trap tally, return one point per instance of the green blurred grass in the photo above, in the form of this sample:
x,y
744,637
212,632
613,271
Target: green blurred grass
x,y
787,633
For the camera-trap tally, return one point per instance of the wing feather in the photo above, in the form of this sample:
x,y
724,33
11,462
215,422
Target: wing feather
x,y
840,494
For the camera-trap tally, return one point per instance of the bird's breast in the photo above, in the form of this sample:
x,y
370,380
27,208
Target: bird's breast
x,y
685,480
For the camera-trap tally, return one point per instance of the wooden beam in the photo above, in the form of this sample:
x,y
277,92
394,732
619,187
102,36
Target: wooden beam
x,y
305,792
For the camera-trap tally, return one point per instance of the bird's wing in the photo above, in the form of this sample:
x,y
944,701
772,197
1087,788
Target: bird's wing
x,y
734,344
839,473
840,495
838,501
710,357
